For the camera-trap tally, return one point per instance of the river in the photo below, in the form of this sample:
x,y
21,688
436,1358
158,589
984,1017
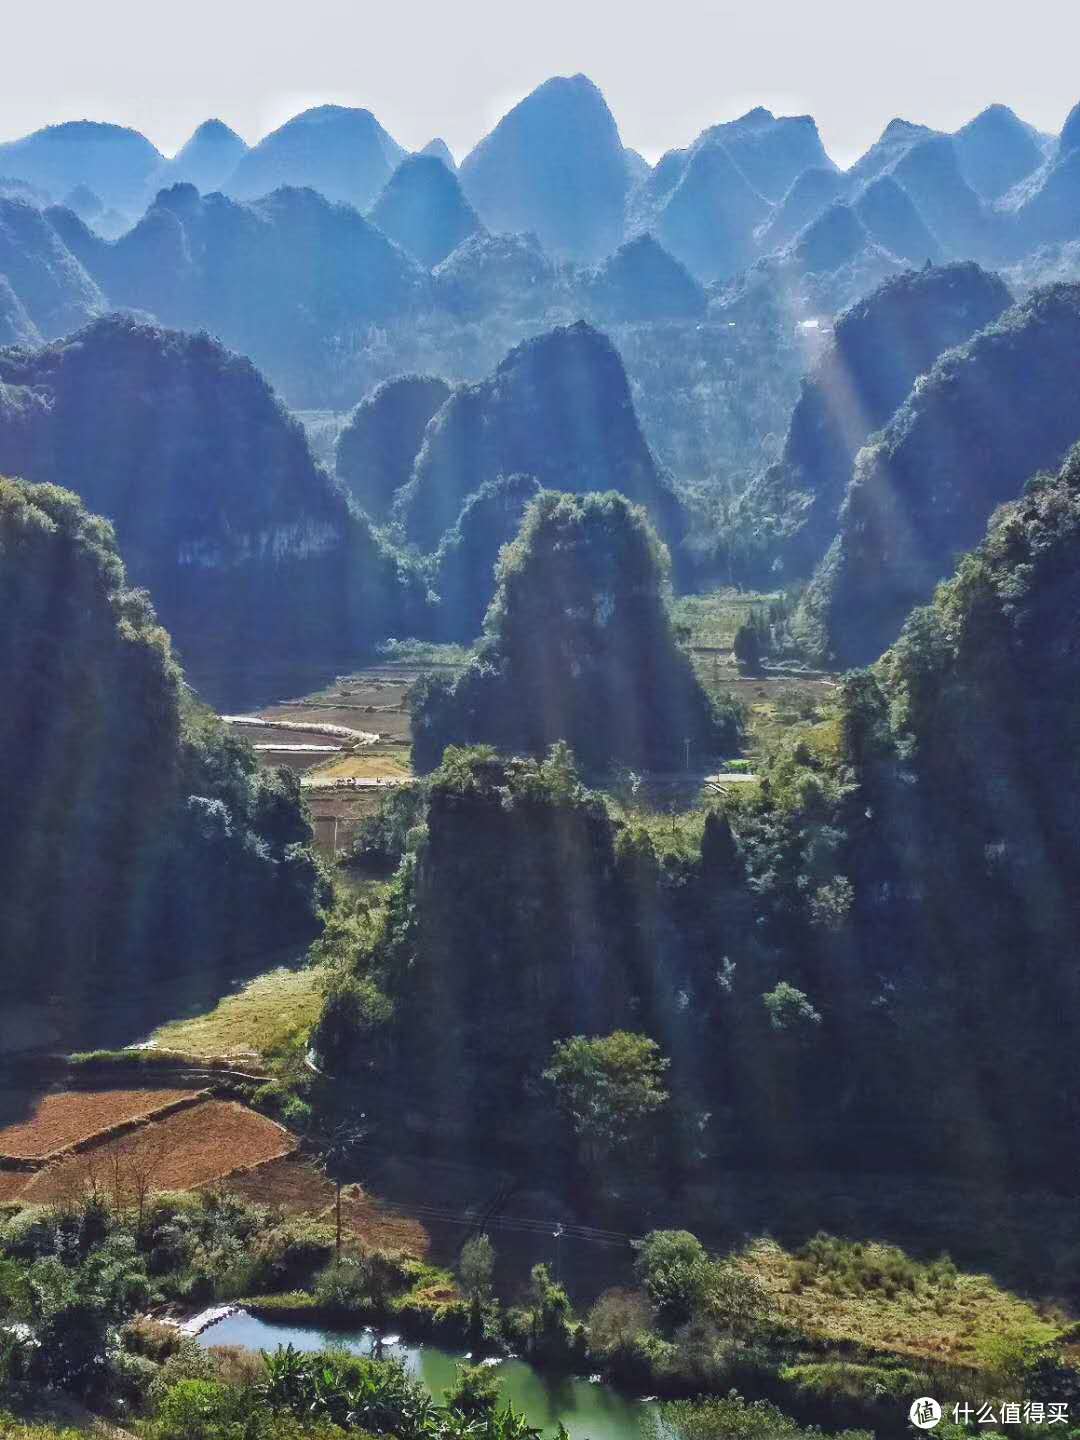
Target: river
x,y
589,1411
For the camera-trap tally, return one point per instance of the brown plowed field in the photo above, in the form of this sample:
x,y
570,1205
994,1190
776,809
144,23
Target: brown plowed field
x,y
198,1145
293,1185
68,1116
11,1182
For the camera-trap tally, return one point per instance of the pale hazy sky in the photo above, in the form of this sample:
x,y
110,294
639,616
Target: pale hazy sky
x,y
452,68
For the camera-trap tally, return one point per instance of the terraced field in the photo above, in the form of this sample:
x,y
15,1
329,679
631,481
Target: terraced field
x,y
74,1140
68,1117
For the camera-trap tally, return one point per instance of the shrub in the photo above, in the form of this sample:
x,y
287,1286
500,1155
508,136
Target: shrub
x,y
474,1393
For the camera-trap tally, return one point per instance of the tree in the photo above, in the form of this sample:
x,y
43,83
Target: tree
x,y
135,1162
474,1393
749,646
337,1147
608,1085
476,1266
790,1010
673,1267
549,1313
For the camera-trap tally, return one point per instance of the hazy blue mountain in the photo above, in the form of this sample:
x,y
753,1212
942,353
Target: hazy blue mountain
x,y
986,417
558,408
466,558
554,166
996,150
439,148
636,165
878,348
1044,208
831,240
708,222
382,437
930,172
115,162
422,208
1069,139
11,188
276,278
895,140
641,282
206,160
893,220
808,195
16,327
84,202
772,151
496,272
250,550
345,154
55,289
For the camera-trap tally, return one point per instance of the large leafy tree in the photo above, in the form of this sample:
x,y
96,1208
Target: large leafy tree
x,y
608,1085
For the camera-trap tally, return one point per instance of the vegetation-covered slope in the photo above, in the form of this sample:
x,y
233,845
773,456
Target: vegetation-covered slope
x,y
578,647
983,420
249,549
51,285
382,437
788,516
137,835
558,408
277,278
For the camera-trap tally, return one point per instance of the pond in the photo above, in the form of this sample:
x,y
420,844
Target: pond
x,y
589,1411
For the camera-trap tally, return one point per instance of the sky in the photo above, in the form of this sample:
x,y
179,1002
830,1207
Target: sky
x,y
453,67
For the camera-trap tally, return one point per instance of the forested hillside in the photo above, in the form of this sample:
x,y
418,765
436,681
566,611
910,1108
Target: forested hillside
x,y
987,415
577,648
785,520
249,550
138,836
557,407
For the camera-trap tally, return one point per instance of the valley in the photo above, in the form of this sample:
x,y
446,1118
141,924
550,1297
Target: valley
x,y
539,862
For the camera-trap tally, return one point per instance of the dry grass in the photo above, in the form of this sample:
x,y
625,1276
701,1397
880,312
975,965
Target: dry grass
x,y
197,1146
941,1316
259,1020
364,764
373,1224
69,1116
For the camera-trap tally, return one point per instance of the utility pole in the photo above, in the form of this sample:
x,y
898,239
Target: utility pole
x,y
557,1234
688,752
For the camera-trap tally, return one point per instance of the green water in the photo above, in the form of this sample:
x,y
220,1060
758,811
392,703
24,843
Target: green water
x,y
589,1411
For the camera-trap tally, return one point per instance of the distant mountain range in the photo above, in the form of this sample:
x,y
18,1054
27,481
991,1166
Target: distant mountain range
x,y
555,166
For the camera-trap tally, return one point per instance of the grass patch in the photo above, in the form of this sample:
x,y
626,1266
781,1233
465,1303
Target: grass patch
x,y
882,1299
263,1018
363,764
424,652
712,619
